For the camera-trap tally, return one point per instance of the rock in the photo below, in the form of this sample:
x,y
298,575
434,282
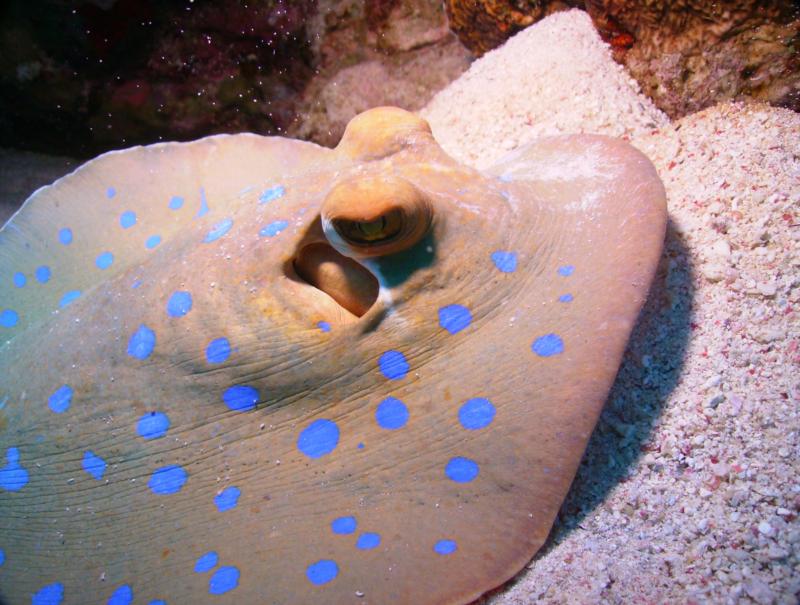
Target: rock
x,y
685,56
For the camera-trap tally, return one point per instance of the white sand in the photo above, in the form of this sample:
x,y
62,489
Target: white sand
x,y
690,488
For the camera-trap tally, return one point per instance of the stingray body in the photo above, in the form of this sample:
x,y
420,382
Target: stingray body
x,y
255,370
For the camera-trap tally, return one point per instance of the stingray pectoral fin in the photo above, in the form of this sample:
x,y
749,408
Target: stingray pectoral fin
x,y
118,210
597,234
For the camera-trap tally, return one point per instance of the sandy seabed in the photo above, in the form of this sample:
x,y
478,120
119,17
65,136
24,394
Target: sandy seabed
x,y
689,491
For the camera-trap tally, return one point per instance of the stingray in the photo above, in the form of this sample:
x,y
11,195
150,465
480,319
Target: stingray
x,y
249,369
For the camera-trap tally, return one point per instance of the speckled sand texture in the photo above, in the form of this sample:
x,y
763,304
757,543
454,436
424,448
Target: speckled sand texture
x,y
690,488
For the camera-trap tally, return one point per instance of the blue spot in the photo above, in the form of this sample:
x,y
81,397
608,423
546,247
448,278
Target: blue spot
x,y
167,480
273,229
153,425
393,365
20,280
565,298
218,230
454,318
43,274
152,241
142,343
547,345
104,260
179,304
445,547
324,326
69,297
368,540
223,580
9,318
94,465
218,350
476,413
111,192
206,562
391,414
157,602
65,236
136,283
273,193
319,438
175,202
344,525
52,594
123,595
127,219
241,398
203,204
322,572
566,270
60,401
360,446
12,476
2,557
505,261
227,498
461,470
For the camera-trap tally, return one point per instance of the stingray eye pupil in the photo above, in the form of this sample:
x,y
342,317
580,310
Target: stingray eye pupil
x,y
378,230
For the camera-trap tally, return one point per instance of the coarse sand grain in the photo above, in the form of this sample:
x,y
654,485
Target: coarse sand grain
x,y
689,491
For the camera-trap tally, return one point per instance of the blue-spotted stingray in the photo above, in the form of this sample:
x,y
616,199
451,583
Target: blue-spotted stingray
x,y
249,369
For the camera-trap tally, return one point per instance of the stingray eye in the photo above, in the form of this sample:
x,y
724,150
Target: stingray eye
x,y
375,216
382,229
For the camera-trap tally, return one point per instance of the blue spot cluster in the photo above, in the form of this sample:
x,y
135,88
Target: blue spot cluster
x,y
142,342
127,219
167,480
393,365
461,470
218,230
319,438
476,414
94,465
505,261
548,345
454,318
104,260
223,580
273,229
241,398
61,399
322,572
227,499
179,304
123,595
218,350
273,193
344,525
152,425
391,414
52,594
12,476
9,318
445,547
324,326
69,297
43,274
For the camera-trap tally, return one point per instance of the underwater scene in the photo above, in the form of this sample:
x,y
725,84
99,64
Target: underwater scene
x,y
399,301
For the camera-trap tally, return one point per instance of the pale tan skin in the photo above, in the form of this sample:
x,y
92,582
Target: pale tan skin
x,y
593,203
